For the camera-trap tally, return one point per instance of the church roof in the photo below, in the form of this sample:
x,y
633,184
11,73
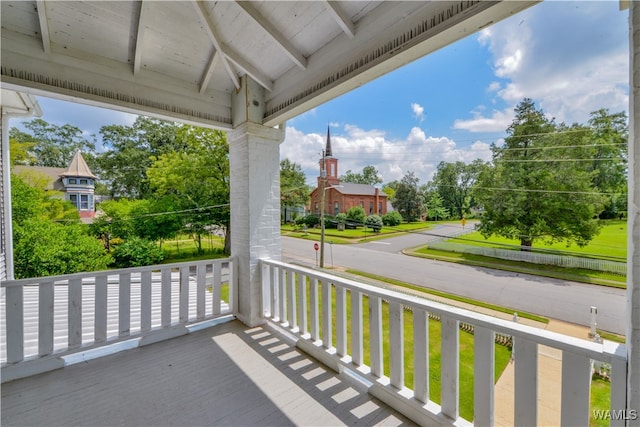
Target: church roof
x,y
78,168
351,189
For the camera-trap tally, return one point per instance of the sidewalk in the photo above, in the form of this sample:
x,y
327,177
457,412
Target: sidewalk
x,y
549,381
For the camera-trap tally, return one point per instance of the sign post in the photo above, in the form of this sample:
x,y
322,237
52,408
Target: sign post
x,y
316,247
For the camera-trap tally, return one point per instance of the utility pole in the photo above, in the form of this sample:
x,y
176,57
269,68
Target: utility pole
x,y
323,180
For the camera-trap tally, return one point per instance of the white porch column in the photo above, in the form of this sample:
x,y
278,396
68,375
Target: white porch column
x,y
6,229
633,255
254,157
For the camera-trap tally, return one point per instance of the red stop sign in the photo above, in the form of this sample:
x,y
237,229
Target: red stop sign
x,y
316,246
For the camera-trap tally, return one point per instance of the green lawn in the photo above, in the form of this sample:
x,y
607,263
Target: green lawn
x,y
359,235
466,345
600,400
610,243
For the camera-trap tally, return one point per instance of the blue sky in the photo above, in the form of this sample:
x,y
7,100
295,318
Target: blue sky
x,y
570,57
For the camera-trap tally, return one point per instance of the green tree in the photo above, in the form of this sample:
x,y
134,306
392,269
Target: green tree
x,y
608,150
408,200
374,221
43,247
369,176
436,209
454,184
532,193
294,192
198,178
52,145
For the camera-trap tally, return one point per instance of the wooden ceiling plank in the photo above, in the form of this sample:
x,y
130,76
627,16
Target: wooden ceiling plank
x,y
206,76
258,76
275,34
341,18
44,26
203,14
139,38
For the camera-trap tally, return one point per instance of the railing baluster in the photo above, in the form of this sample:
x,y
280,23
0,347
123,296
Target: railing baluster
x,y
45,318
483,378
267,309
327,339
291,300
576,382
145,300
101,296
341,321
201,291
315,315
420,355
302,304
396,344
449,363
165,314
233,287
75,313
375,336
618,381
184,294
217,283
356,329
282,298
526,382
124,302
274,294
15,323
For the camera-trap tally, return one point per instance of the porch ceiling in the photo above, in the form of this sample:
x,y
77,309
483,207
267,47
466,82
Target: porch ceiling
x,y
182,60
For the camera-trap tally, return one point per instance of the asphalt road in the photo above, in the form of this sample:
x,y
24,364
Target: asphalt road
x,y
553,298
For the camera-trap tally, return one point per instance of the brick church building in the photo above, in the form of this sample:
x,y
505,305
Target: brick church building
x,y
342,196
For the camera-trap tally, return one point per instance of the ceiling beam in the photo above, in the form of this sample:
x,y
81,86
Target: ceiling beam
x,y
208,72
44,26
140,30
203,14
275,34
240,62
341,18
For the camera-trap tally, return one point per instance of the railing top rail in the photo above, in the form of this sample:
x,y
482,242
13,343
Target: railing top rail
x,y
157,267
602,352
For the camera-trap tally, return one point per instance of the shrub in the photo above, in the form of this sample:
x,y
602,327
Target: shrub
x,y
374,222
137,252
311,220
341,218
391,219
356,214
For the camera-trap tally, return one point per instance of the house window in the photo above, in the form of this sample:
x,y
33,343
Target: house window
x,y
73,181
336,208
84,181
73,198
84,202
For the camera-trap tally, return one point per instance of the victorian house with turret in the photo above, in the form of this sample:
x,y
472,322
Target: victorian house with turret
x,y
76,183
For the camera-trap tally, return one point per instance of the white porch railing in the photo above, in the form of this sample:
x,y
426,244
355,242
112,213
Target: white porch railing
x,y
49,317
300,299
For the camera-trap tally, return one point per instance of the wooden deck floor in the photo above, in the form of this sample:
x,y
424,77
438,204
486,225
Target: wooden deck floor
x,y
225,375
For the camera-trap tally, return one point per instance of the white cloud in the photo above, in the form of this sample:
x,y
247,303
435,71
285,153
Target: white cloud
x,y
418,111
571,58
356,148
498,121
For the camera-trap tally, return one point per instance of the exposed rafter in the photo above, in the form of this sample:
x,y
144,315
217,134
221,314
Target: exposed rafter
x,y
140,30
206,76
44,26
275,34
240,62
341,18
203,14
